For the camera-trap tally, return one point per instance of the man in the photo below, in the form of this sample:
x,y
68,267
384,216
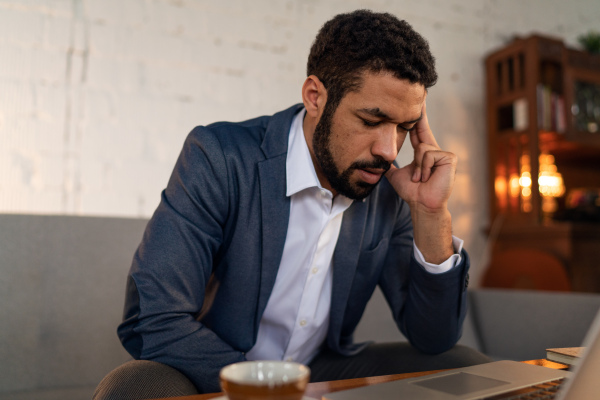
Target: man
x,y
273,233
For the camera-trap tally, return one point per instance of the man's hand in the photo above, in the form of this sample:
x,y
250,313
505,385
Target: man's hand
x,y
426,184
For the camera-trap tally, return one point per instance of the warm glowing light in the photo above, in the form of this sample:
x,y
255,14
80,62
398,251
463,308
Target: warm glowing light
x,y
549,204
551,185
515,188
550,180
500,185
525,180
525,163
520,184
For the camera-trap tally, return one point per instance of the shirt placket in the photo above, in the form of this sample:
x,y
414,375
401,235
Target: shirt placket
x,y
315,281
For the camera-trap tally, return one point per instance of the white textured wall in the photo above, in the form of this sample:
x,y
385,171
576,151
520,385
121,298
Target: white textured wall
x,y
96,96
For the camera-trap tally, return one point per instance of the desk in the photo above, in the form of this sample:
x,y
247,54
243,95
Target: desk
x,y
318,389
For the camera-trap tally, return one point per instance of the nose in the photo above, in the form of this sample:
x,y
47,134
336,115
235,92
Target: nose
x,y
386,144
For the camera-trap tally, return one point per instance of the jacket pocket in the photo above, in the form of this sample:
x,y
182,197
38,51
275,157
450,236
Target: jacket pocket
x,y
375,256
368,269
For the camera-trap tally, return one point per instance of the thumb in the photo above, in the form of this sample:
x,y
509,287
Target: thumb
x,y
391,171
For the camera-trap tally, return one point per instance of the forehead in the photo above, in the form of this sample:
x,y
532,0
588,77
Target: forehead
x,y
400,99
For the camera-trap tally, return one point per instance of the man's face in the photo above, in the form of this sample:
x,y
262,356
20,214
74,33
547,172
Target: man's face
x,y
355,144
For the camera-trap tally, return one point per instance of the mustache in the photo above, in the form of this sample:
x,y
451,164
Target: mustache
x,y
375,164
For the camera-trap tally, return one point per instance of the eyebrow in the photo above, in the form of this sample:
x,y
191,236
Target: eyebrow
x,y
376,112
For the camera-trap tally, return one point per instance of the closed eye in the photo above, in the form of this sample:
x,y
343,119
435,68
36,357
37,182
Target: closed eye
x,y
370,123
407,130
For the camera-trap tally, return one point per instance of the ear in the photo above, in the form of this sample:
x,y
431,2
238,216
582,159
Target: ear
x,y
314,96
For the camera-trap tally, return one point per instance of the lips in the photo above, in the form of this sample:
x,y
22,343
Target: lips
x,y
370,175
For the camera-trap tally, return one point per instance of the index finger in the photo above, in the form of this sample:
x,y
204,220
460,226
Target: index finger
x,y
422,132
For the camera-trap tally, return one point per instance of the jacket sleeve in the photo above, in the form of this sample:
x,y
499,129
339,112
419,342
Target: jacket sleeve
x,y
428,308
171,268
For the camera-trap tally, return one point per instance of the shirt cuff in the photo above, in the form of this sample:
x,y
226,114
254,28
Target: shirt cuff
x,y
447,265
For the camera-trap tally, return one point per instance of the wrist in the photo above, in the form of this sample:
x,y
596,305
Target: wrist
x,y
421,208
433,233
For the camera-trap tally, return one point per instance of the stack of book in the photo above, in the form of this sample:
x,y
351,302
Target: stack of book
x,y
565,355
550,110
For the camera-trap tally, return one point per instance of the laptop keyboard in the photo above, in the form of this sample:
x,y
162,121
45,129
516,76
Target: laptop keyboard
x,y
542,391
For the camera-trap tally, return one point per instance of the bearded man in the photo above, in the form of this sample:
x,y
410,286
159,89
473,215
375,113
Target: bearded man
x,y
273,233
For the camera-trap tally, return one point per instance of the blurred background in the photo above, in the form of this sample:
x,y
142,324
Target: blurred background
x,y
97,96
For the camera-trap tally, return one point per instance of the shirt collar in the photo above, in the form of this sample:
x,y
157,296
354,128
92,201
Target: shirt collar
x,y
299,167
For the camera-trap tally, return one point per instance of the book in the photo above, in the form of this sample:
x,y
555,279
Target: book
x,y
561,120
550,110
565,355
520,115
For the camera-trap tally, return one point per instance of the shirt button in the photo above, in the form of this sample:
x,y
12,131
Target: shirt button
x,y
303,322
315,270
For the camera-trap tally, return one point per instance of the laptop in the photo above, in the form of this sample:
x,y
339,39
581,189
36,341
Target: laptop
x,y
495,380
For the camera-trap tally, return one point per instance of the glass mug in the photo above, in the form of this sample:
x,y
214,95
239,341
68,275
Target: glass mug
x,y
264,380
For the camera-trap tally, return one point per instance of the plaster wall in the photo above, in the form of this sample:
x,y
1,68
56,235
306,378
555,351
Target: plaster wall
x,y
97,96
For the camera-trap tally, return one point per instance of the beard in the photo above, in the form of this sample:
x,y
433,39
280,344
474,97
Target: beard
x,y
340,181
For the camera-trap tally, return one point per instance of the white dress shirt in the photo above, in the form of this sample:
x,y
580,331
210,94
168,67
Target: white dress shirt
x,y
296,318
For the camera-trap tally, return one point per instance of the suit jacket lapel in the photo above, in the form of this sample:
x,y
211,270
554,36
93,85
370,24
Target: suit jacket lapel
x,y
275,208
275,205
345,260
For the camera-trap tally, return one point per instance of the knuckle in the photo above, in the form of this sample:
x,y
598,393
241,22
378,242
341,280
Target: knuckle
x,y
422,148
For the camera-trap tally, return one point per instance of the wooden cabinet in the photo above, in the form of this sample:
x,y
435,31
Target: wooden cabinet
x,y
543,115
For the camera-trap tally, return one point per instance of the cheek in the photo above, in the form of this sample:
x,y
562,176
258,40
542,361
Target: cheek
x,y
340,149
351,146
341,143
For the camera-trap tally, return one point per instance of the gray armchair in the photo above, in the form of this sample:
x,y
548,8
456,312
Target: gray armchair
x,y
62,287
505,324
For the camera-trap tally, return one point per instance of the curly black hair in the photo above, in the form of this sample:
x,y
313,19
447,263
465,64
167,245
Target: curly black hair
x,y
352,43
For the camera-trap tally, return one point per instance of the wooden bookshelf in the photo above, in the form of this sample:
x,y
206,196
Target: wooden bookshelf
x,y
536,106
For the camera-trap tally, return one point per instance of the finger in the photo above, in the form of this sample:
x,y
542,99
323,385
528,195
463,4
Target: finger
x,y
433,159
400,179
423,131
392,170
399,174
414,138
419,155
429,159
416,176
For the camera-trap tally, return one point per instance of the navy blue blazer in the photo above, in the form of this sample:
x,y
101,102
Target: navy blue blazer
x,y
225,211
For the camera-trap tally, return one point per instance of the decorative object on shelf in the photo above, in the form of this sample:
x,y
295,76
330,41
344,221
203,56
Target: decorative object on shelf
x,y
582,205
590,42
